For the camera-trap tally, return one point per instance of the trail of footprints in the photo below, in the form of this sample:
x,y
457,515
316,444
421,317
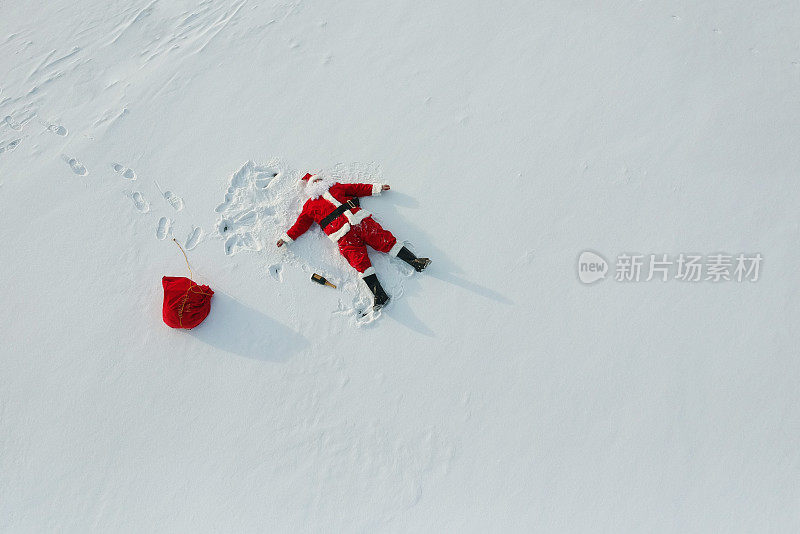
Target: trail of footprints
x,y
15,122
164,230
8,145
165,225
140,203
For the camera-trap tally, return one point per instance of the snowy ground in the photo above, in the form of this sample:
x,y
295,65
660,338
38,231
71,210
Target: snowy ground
x,y
498,393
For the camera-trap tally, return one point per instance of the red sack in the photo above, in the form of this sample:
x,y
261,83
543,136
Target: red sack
x,y
186,304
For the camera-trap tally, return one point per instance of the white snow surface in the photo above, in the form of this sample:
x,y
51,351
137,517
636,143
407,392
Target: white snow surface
x,y
497,393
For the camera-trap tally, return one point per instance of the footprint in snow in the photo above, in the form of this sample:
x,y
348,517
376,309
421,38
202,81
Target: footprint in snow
x,y
76,166
232,244
14,125
125,172
8,147
141,204
164,228
276,272
174,200
195,236
224,226
235,243
57,129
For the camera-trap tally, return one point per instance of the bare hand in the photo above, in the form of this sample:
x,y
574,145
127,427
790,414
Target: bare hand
x,y
385,187
281,242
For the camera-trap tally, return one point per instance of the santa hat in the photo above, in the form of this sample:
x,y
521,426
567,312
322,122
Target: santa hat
x,y
306,177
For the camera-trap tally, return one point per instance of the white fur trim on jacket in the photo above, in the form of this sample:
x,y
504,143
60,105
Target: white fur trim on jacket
x,y
376,189
370,270
338,234
395,250
330,198
357,217
286,238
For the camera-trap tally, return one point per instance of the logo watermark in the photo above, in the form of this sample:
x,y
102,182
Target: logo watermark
x,y
683,267
591,267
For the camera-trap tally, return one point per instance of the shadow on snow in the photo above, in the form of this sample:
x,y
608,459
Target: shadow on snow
x,y
239,329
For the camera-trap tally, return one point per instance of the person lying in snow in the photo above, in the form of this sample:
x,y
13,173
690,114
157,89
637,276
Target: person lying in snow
x,y
335,207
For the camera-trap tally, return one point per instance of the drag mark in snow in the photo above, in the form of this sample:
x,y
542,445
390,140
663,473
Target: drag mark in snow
x,y
125,26
140,203
221,24
123,171
47,65
192,32
195,236
164,228
76,166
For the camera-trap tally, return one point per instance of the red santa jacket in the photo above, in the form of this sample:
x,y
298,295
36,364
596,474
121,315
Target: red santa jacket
x,y
316,209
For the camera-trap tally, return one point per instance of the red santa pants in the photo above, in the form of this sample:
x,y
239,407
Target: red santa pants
x,y
352,245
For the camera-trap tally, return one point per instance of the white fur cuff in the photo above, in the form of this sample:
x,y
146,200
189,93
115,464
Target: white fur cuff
x,y
395,250
370,270
286,238
376,189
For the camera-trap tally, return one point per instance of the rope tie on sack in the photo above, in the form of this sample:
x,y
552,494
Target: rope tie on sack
x,y
193,287
191,275
191,282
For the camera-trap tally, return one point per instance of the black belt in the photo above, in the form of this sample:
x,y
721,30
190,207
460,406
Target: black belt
x,y
350,204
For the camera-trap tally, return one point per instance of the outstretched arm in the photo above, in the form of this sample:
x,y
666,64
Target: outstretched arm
x,y
303,223
364,190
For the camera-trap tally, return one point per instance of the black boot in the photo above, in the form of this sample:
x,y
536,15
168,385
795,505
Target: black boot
x,y
381,298
418,264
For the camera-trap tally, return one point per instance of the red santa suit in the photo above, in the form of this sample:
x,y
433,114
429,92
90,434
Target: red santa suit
x,y
346,224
